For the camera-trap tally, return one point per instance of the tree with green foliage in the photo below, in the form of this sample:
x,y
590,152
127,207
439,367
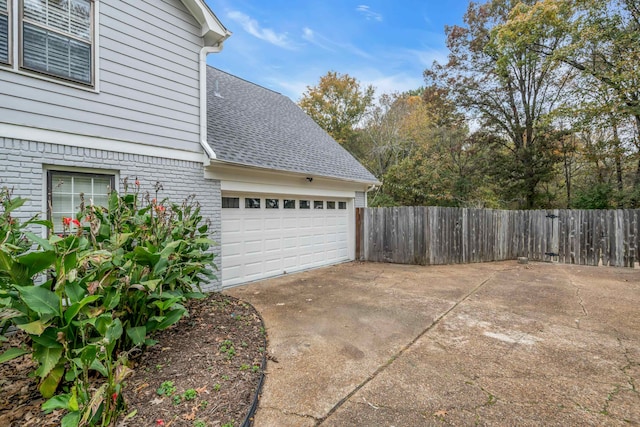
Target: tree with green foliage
x,y
338,104
601,40
511,88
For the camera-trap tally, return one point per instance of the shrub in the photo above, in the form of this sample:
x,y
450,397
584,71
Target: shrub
x,y
90,296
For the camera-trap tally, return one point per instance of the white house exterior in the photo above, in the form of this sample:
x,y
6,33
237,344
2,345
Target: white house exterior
x,y
94,91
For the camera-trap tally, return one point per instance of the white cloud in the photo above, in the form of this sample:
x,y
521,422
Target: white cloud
x,y
399,82
427,56
368,13
252,26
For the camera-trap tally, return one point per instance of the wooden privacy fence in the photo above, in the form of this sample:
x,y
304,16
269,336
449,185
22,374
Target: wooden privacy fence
x,y
435,235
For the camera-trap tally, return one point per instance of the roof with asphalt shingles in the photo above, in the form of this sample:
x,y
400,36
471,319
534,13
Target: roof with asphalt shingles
x,y
250,125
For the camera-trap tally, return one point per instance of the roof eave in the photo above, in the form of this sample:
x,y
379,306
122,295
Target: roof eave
x,y
297,173
213,32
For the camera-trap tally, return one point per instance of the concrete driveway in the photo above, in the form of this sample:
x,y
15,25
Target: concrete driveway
x,y
484,344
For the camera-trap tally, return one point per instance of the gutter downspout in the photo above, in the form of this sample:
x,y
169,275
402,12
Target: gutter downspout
x,y
366,194
209,153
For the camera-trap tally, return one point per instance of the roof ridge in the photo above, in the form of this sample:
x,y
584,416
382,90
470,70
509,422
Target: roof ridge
x,y
245,80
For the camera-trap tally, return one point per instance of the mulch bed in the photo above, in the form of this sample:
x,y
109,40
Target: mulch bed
x,y
213,359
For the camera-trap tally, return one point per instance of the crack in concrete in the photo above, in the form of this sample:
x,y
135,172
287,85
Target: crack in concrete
x,y
393,358
585,313
285,412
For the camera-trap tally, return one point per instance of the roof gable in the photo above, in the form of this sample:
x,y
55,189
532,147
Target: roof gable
x,y
250,125
213,32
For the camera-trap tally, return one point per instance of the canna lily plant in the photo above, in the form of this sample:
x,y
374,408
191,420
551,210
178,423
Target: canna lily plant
x,y
89,297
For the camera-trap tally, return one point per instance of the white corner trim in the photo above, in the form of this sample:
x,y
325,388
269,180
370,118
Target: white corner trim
x,y
83,141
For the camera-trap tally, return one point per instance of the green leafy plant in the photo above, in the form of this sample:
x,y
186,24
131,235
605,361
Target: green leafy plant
x,y
199,423
189,394
89,295
228,349
167,388
244,367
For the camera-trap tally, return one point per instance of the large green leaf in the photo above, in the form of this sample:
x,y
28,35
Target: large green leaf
x,y
151,284
72,419
48,339
37,261
170,318
170,248
59,401
137,334
40,300
48,358
71,312
11,354
50,383
74,291
36,327
114,331
41,241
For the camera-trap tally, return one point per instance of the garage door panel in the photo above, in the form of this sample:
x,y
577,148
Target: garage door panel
x,y
260,243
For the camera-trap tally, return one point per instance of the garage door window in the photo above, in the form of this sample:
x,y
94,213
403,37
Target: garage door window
x,y
231,202
251,203
318,204
331,205
304,204
272,203
289,204
342,205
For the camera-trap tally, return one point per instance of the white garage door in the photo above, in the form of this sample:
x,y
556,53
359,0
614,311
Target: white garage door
x,y
265,236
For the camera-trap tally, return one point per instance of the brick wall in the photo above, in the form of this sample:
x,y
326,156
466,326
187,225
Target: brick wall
x,y
23,166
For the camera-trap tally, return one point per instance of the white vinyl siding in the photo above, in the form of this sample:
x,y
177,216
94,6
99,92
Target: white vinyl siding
x,y
64,189
148,81
57,38
4,31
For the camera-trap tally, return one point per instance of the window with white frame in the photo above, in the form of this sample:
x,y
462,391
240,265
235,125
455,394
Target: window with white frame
x,y
4,31
57,38
64,190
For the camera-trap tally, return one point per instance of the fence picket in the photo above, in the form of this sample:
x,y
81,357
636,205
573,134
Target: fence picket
x,y
437,235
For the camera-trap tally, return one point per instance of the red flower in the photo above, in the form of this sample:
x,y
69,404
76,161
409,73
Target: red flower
x,y
66,221
76,223
137,183
160,208
153,201
160,422
114,397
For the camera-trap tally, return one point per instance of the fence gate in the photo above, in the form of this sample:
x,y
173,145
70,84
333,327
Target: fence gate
x,y
553,239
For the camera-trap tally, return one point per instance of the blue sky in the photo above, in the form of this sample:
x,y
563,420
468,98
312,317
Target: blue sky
x,y
287,45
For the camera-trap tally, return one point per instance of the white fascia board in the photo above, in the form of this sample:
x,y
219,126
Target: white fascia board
x,y
223,167
26,133
242,179
213,32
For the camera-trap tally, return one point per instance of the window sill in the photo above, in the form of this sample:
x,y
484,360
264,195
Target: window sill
x,y
44,77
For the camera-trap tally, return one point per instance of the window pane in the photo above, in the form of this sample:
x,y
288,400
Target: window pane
x,y
65,194
289,204
3,5
252,203
231,202
272,203
80,24
331,205
4,37
318,204
304,204
342,205
48,38
36,10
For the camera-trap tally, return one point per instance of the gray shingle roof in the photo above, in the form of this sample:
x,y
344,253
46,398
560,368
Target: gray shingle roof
x,y
251,125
